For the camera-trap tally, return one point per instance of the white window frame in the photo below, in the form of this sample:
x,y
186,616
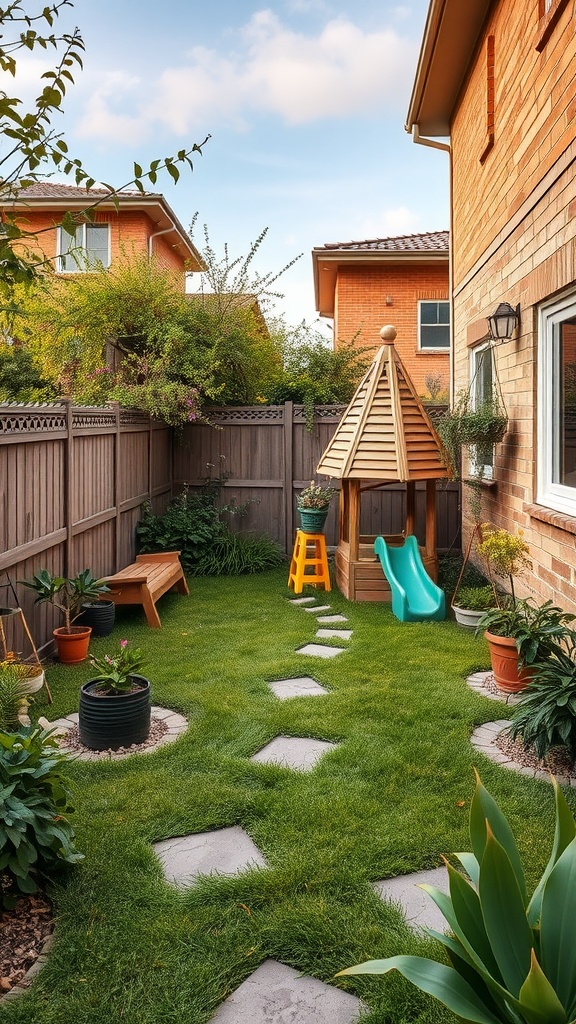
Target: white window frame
x,y
440,348
548,493
78,255
486,471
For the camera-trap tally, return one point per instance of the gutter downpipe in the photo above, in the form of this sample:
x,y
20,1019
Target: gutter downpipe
x,y
446,148
156,234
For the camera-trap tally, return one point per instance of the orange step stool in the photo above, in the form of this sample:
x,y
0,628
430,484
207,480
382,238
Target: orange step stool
x,y
309,553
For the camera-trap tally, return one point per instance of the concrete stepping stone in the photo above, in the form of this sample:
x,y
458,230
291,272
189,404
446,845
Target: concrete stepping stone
x,y
276,993
301,600
299,752
320,651
225,851
479,681
318,608
303,686
334,634
331,618
419,908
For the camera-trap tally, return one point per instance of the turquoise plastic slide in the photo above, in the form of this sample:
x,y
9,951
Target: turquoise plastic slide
x,y
415,597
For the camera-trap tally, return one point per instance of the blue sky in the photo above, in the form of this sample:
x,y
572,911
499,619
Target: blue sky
x,y
305,102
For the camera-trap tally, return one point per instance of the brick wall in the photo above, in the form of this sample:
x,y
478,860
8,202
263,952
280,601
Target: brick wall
x,y
514,237
360,306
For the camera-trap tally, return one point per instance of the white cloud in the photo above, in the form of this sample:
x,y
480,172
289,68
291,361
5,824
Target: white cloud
x,y
387,224
342,71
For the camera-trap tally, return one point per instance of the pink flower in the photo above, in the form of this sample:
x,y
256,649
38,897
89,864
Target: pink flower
x,y
123,643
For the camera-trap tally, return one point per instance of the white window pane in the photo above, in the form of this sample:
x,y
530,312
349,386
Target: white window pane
x,y
97,248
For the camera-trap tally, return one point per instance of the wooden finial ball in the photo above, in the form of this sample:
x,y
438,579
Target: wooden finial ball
x,y
388,333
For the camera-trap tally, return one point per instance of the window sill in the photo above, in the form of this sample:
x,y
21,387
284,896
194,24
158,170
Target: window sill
x,y
547,23
432,352
548,515
487,485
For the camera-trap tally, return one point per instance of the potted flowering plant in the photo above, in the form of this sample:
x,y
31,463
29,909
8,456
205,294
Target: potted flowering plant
x,y
313,504
115,704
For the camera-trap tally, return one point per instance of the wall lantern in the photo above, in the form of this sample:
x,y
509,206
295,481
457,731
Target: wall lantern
x,y
504,322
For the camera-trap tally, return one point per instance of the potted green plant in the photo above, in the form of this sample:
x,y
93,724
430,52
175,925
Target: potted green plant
x,y
545,716
30,673
475,425
471,605
510,954
68,596
115,704
313,504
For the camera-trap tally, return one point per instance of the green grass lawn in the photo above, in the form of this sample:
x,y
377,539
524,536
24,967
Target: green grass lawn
x,y
391,799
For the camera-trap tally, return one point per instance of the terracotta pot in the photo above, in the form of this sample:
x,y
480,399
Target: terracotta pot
x,y
504,658
72,646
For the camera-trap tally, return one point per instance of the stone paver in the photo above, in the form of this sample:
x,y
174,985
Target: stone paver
x,y
419,908
318,608
225,851
482,740
301,600
303,686
276,994
334,634
331,618
176,725
320,651
477,681
299,752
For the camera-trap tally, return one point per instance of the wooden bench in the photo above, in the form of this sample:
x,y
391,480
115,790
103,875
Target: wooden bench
x,y
146,580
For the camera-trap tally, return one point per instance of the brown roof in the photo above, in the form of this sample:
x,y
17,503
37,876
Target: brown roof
x,y
385,433
57,197
430,241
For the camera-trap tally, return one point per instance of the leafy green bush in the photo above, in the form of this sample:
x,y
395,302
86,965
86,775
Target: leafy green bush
x,y
13,701
539,630
36,837
475,599
449,567
193,524
545,716
512,956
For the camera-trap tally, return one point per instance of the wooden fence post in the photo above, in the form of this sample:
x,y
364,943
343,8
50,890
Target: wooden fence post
x,y
68,487
117,477
289,474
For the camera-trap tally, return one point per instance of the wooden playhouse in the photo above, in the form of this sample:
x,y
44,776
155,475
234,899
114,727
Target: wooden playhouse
x,y
384,437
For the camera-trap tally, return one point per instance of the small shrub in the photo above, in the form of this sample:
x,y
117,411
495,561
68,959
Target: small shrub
x,y
545,716
238,554
13,701
476,599
36,837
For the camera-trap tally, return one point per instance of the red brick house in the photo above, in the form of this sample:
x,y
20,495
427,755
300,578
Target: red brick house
x,y
496,81
132,222
403,281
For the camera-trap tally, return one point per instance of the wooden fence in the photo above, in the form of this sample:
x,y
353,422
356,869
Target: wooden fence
x,y
72,481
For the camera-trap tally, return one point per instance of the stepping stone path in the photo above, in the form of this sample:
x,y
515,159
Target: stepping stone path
x,y
303,686
331,618
279,994
334,634
419,908
318,608
478,682
320,651
298,752
225,851
301,600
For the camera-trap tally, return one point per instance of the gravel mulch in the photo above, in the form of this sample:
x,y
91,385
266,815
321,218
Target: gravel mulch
x,y
71,741
557,761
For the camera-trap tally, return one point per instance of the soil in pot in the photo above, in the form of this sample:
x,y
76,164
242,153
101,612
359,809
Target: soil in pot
x,y
108,721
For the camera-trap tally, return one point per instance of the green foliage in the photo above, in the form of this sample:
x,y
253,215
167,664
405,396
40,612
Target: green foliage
x,y
239,554
316,497
20,377
449,568
13,700
33,146
539,630
36,837
114,672
545,716
512,958
476,599
475,426
66,594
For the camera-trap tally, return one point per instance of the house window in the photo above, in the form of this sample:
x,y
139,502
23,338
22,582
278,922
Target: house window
x,y
557,405
549,12
434,325
481,391
87,247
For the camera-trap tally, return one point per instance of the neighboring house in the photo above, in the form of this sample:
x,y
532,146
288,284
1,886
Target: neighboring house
x,y
402,281
130,222
497,80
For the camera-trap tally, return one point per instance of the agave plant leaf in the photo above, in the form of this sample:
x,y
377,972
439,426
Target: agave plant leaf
x,y
557,918
494,997
484,813
444,983
504,913
470,865
539,1000
468,912
564,833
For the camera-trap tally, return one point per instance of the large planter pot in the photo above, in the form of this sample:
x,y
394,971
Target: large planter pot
x,y
34,682
108,721
72,646
466,617
99,615
312,519
504,658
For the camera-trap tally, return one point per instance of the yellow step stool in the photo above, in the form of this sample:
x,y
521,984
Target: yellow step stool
x,y
309,553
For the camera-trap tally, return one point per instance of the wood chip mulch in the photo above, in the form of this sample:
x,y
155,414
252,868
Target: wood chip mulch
x,y
23,932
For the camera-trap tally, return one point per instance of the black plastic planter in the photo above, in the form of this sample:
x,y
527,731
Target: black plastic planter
x,y
99,615
108,721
